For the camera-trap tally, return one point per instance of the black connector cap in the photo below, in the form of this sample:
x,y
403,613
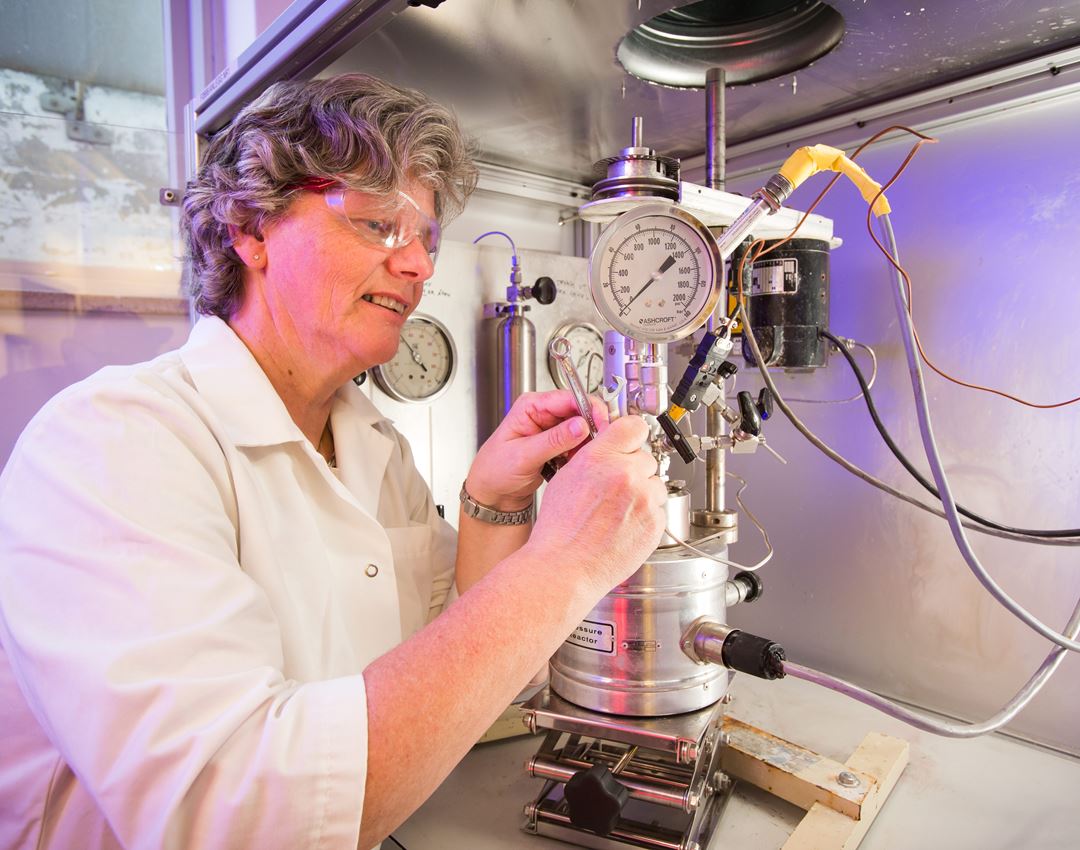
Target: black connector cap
x,y
595,799
676,438
544,290
753,655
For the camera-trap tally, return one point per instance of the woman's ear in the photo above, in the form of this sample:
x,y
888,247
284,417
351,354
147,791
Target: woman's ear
x,y
249,248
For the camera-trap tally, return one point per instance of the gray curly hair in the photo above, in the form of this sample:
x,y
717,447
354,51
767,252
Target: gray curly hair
x,y
356,129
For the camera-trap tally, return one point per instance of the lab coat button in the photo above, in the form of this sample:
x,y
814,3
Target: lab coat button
x,y
371,570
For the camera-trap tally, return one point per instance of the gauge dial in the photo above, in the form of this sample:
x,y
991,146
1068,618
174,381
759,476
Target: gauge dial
x,y
586,353
424,364
654,273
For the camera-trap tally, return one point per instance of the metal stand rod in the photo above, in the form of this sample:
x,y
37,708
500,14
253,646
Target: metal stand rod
x,y
715,178
632,833
716,142
672,795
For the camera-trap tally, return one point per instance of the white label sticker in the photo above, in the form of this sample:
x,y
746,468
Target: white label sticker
x,y
596,636
775,277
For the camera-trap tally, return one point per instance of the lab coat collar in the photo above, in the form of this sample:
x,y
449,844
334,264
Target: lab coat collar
x,y
230,379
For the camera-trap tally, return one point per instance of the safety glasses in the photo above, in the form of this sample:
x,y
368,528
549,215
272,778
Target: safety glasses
x,y
390,225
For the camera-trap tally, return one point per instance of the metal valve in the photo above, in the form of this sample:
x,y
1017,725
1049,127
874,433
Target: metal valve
x,y
544,290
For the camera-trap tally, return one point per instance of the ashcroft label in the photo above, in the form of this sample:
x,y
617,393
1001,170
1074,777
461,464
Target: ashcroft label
x,y
593,635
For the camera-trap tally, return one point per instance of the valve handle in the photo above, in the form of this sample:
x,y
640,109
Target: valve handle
x,y
544,290
765,403
751,417
595,799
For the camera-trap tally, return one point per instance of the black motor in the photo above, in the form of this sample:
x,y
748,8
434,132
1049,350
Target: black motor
x,y
788,303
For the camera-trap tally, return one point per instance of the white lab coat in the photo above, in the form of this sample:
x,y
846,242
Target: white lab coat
x,y
188,596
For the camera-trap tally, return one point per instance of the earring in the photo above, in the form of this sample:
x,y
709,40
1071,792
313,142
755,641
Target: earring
x,y
255,257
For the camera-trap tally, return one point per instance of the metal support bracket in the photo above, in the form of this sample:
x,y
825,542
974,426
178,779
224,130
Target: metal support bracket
x,y
70,104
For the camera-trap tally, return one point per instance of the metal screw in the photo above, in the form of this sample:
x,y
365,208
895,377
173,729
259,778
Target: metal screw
x,y
725,739
726,698
848,779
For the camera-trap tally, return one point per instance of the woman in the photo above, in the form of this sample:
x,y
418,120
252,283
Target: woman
x,y
222,579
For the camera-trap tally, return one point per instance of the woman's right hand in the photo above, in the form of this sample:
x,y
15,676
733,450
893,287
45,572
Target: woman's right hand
x,y
604,511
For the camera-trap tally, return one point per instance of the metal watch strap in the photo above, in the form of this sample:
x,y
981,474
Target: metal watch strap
x,y
485,514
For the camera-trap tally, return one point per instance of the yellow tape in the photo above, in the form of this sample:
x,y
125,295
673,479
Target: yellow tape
x,y
806,162
676,413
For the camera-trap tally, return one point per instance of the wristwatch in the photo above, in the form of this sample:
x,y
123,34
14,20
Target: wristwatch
x,y
483,513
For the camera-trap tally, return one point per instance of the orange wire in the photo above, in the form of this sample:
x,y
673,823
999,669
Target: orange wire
x,y
758,253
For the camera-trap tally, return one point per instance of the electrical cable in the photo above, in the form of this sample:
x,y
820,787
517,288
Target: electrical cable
x,y
937,727
907,464
800,426
842,344
398,843
857,471
922,412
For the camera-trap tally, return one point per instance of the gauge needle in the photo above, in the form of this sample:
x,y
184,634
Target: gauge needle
x,y
415,354
664,266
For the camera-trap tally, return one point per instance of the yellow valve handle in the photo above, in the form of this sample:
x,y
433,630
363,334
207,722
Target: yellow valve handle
x,y
808,161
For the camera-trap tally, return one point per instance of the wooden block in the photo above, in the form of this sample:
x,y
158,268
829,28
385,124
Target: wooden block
x,y
791,772
880,756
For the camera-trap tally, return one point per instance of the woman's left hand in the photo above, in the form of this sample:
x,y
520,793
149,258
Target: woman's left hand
x,y
539,427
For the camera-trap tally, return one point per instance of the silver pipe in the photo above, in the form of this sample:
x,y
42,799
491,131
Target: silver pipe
x,y
636,134
640,788
715,178
716,140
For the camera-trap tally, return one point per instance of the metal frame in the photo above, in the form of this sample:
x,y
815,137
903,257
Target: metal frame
x,y
307,37
1023,84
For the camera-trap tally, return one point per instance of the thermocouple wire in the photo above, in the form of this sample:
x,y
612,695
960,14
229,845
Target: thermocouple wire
x,y
926,430
857,471
764,535
910,467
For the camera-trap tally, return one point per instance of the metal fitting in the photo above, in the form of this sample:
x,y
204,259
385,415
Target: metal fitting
x,y
775,191
703,641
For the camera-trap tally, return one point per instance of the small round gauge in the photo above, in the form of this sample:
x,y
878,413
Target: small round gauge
x,y
424,364
655,273
586,353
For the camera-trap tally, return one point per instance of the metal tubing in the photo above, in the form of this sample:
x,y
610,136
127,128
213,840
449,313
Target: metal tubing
x,y
640,788
715,178
704,641
716,142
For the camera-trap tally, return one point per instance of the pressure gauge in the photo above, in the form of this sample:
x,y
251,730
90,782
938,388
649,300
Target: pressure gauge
x,y
656,273
424,364
586,353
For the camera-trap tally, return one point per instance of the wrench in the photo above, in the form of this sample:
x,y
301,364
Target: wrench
x,y
560,350
611,394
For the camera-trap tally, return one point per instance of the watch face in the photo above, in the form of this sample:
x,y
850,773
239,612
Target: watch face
x,y
424,364
586,353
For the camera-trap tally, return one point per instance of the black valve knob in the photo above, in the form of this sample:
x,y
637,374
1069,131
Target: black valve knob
x,y
595,799
751,417
765,403
544,290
